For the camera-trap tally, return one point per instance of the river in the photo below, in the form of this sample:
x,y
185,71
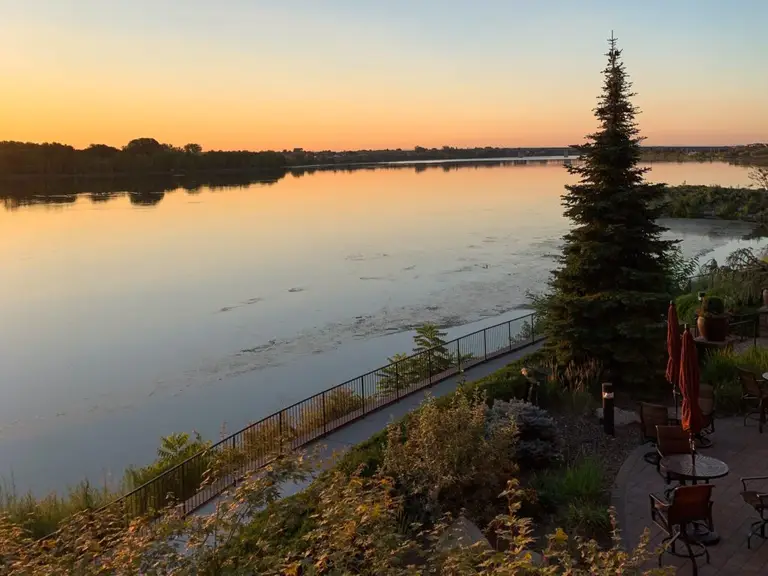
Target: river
x,y
126,318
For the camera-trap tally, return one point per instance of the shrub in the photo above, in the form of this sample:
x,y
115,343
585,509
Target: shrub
x,y
356,529
574,388
265,437
446,452
583,482
178,484
589,519
576,495
720,370
40,517
338,403
430,356
537,443
712,306
687,305
309,420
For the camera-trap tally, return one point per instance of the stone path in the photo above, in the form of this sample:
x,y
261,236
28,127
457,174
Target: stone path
x,y
746,453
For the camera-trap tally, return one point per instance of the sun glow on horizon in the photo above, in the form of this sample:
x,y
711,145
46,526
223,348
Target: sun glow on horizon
x,y
248,75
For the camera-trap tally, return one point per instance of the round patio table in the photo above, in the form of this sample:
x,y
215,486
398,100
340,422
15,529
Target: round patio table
x,y
699,469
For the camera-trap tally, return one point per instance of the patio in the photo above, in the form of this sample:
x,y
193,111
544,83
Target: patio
x,y
746,453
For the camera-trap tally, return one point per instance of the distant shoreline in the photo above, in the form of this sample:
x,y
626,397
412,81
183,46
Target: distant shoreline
x,y
148,189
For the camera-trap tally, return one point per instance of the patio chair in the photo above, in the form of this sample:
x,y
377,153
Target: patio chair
x,y
686,506
671,440
652,415
757,497
753,396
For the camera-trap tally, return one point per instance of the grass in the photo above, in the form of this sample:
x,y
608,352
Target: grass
x,y
42,516
719,370
575,496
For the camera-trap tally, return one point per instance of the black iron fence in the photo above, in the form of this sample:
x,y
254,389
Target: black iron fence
x,y
299,424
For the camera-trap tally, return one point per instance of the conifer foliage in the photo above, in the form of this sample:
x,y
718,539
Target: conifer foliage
x,y
609,294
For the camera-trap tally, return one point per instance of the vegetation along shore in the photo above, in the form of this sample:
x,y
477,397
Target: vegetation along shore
x,y
721,202
149,156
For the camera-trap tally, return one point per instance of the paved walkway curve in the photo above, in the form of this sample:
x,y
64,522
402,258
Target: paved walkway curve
x,y
746,453
362,429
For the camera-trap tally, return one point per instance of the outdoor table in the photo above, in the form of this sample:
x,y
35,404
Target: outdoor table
x,y
699,469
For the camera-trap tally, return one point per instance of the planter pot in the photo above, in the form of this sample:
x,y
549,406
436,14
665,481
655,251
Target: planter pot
x,y
765,297
713,328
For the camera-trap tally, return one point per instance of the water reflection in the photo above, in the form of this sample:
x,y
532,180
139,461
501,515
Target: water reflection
x,y
149,191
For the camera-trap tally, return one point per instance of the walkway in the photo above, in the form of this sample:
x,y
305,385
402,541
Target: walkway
x,y
746,453
343,439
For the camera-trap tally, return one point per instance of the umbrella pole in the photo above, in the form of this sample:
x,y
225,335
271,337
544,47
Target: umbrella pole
x,y
674,399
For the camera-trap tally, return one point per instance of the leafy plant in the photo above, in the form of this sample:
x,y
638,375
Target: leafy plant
x,y
720,371
355,529
687,305
537,439
430,356
585,518
557,487
40,517
712,306
173,450
447,452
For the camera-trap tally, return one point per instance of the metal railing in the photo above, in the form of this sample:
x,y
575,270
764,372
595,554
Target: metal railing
x,y
312,418
741,327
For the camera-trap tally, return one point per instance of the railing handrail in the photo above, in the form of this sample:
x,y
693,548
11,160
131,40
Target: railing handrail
x,y
230,438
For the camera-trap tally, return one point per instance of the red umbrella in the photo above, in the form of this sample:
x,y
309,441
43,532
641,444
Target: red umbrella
x,y
673,346
691,417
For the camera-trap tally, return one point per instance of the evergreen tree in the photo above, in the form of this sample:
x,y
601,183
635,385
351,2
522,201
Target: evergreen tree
x,y
610,292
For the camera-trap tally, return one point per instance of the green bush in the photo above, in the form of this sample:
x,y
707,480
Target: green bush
x,y
589,519
687,305
557,487
537,438
720,371
446,459
712,306
40,517
576,496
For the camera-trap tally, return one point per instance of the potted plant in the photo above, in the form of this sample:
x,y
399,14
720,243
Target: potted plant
x,y
712,320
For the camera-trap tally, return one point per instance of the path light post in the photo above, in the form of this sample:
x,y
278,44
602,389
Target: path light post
x,y
608,416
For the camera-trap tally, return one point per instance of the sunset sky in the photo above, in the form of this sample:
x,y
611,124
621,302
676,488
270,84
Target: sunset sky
x,y
350,74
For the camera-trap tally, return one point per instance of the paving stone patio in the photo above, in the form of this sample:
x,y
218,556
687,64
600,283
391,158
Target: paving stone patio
x,y
746,453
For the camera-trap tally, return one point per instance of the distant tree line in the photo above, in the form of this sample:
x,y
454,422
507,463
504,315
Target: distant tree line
x,y
751,154
143,156
139,156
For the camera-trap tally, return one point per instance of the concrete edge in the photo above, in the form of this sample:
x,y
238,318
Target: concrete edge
x,y
619,491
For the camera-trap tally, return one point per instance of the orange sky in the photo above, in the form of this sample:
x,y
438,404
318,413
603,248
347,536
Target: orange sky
x,y
248,75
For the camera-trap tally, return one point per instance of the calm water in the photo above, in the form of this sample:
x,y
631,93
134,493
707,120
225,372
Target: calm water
x,y
125,320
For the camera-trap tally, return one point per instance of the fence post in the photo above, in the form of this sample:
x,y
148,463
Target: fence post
x,y
397,380
485,345
325,420
533,329
756,331
458,354
509,330
362,391
429,364
183,495
608,416
280,429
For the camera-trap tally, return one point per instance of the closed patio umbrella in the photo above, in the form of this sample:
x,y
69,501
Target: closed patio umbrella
x,y
673,350
691,417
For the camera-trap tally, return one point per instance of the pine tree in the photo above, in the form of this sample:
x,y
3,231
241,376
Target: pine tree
x,y
609,294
